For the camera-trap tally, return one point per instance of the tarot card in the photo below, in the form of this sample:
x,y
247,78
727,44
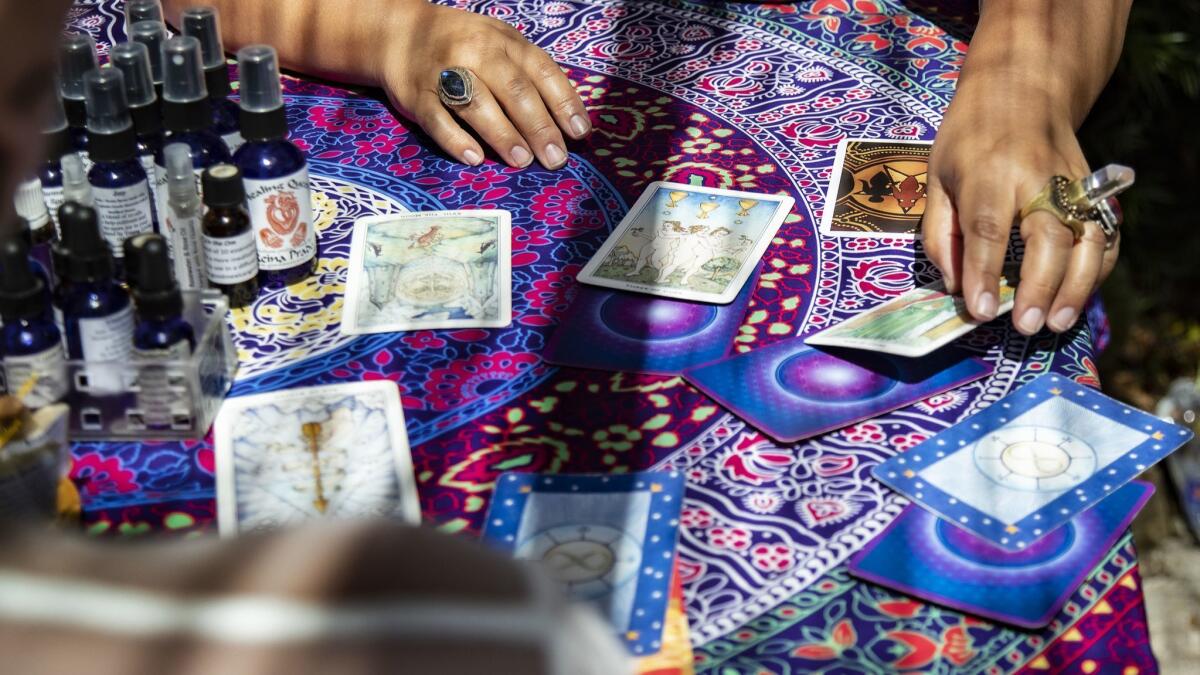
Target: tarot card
x,y
926,557
609,539
688,242
790,390
441,269
334,451
618,330
675,657
1031,461
877,189
912,324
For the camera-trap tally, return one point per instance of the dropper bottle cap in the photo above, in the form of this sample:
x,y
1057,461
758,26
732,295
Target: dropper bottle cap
x,y
223,186
262,116
203,23
153,35
142,10
30,203
154,289
77,57
57,139
85,253
22,293
110,129
185,97
181,181
76,187
133,60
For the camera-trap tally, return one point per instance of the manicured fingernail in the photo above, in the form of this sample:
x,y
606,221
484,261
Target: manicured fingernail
x,y
580,126
520,156
555,157
985,305
1031,320
471,157
1063,319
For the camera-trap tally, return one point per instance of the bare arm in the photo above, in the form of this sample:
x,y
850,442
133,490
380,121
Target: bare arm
x,y
1032,73
524,103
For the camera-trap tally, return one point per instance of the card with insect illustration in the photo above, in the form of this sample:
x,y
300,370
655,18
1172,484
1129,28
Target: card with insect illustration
x,y
877,188
333,451
417,271
688,242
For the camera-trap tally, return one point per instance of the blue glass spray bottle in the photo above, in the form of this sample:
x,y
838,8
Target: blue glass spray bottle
x,y
33,354
76,58
203,23
275,174
152,33
56,139
133,60
120,187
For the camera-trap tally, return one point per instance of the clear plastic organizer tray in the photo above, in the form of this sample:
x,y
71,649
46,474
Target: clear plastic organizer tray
x,y
157,399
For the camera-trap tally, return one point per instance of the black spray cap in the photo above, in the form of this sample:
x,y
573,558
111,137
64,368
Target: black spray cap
x,y
142,10
152,34
223,186
133,60
262,115
155,291
22,293
185,95
57,138
203,23
110,128
76,58
85,252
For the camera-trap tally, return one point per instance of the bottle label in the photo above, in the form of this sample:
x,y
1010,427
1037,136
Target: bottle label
x,y
162,390
281,212
124,212
60,322
54,199
233,140
151,169
231,260
47,366
110,339
182,232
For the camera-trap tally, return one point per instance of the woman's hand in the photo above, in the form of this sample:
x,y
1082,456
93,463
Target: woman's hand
x,y
523,102
995,150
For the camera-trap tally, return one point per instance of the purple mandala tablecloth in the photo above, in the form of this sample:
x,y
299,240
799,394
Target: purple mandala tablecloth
x,y
745,96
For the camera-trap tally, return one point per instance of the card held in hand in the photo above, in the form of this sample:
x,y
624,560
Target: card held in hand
x,y
609,539
877,189
1031,461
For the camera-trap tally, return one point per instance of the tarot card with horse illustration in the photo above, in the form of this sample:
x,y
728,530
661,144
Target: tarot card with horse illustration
x,y
877,189
688,242
441,269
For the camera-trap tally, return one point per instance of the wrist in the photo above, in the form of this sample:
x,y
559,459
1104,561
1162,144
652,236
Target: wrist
x,y
391,30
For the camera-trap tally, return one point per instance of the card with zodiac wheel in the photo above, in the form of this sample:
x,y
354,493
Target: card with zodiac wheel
x,y
926,557
609,540
1033,460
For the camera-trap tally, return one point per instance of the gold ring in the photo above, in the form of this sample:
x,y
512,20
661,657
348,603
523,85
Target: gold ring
x,y
1056,199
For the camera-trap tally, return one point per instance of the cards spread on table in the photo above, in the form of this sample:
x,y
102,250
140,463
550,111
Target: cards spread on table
x,y
443,269
688,242
619,330
334,451
912,324
790,390
926,557
1031,461
877,189
609,539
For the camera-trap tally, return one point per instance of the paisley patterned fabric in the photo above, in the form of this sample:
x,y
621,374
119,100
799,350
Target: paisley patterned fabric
x,y
745,96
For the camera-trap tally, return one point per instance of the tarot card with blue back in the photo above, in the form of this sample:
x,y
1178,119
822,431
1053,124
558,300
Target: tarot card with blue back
x,y
926,557
609,329
609,539
1031,461
791,390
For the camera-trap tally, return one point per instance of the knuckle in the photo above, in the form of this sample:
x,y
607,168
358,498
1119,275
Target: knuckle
x,y
990,228
519,87
546,69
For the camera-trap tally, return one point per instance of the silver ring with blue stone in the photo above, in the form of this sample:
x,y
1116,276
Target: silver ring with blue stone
x,y
456,86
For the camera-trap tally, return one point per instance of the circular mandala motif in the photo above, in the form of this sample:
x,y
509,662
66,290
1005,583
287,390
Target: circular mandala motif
x,y
977,550
826,378
637,318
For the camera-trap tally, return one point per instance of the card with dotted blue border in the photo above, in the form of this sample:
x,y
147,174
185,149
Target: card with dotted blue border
x,y
610,539
1031,461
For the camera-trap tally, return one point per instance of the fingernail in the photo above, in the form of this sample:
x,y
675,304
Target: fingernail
x,y
1031,320
520,156
985,305
471,157
580,126
1063,319
555,157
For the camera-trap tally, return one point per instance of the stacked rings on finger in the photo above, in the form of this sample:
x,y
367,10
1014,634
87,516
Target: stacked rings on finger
x,y
456,86
1091,198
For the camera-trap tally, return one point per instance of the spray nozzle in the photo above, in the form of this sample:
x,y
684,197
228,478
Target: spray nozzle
x,y
203,24
142,10
133,60
22,293
107,109
77,57
150,274
181,181
258,69
153,35
75,183
184,76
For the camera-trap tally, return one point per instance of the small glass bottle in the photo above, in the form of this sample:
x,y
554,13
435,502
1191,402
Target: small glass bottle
x,y
76,58
120,186
203,23
31,205
133,60
57,140
182,227
33,352
229,251
153,34
275,174
187,113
